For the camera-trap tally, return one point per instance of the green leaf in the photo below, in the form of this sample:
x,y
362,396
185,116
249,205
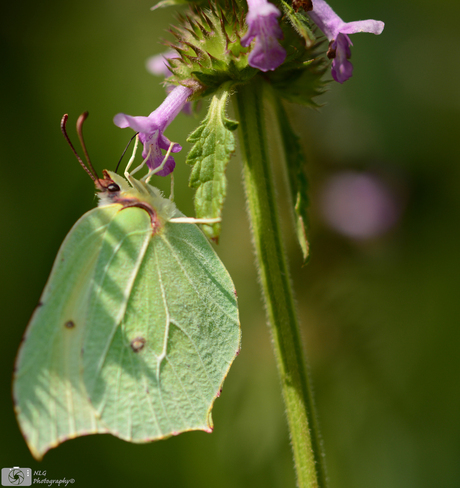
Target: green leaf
x,y
135,331
300,23
297,178
213,145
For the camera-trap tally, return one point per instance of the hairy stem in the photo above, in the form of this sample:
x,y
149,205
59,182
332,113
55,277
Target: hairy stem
x,y
276,285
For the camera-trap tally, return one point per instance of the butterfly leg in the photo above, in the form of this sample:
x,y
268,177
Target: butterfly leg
x,y
171,195
153,171
135,170
131,159
191,220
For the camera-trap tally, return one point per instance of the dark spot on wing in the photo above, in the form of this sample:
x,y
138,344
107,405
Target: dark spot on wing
x,y
70,324
236,294
40,304
137,344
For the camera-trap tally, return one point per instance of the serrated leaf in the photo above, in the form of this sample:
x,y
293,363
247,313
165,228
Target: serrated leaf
x,y
300,23
213,145
297,179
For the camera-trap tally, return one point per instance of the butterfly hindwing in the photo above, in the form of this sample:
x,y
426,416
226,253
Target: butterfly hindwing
x,y
167,360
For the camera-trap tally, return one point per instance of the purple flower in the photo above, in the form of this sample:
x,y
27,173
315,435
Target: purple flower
x,y
359,205
158,65
151,129
267,53
336,30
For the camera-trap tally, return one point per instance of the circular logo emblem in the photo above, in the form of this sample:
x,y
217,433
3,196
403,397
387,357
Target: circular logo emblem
x,y
15,476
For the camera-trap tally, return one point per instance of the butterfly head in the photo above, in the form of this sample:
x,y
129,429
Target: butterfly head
x,y
107,185
104,185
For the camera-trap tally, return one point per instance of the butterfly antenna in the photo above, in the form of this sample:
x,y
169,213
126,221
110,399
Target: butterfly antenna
x,y
64,131
126,148
80,121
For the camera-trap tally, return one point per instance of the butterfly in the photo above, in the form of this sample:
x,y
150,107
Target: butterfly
x,y
136,328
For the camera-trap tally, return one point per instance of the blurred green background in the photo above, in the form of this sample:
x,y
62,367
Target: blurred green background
x,y
380,318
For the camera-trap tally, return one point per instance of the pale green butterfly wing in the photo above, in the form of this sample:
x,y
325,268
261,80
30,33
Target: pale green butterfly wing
x,y
159,372
137,327
50,399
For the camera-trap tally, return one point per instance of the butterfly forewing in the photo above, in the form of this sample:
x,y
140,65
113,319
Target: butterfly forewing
x,y
50,399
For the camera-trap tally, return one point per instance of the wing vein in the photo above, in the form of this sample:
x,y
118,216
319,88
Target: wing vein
x,y
208,296
166,337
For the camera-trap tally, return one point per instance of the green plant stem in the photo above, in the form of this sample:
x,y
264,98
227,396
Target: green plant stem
x,y
276,286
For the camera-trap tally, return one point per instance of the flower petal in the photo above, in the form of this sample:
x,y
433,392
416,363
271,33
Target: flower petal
x,y
158,65
164,143
139,124
267,53
372,26
168,168
157,159
250,34
341,68
326,19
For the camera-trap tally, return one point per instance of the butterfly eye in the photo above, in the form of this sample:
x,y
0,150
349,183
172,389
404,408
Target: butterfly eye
x,y
113,187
